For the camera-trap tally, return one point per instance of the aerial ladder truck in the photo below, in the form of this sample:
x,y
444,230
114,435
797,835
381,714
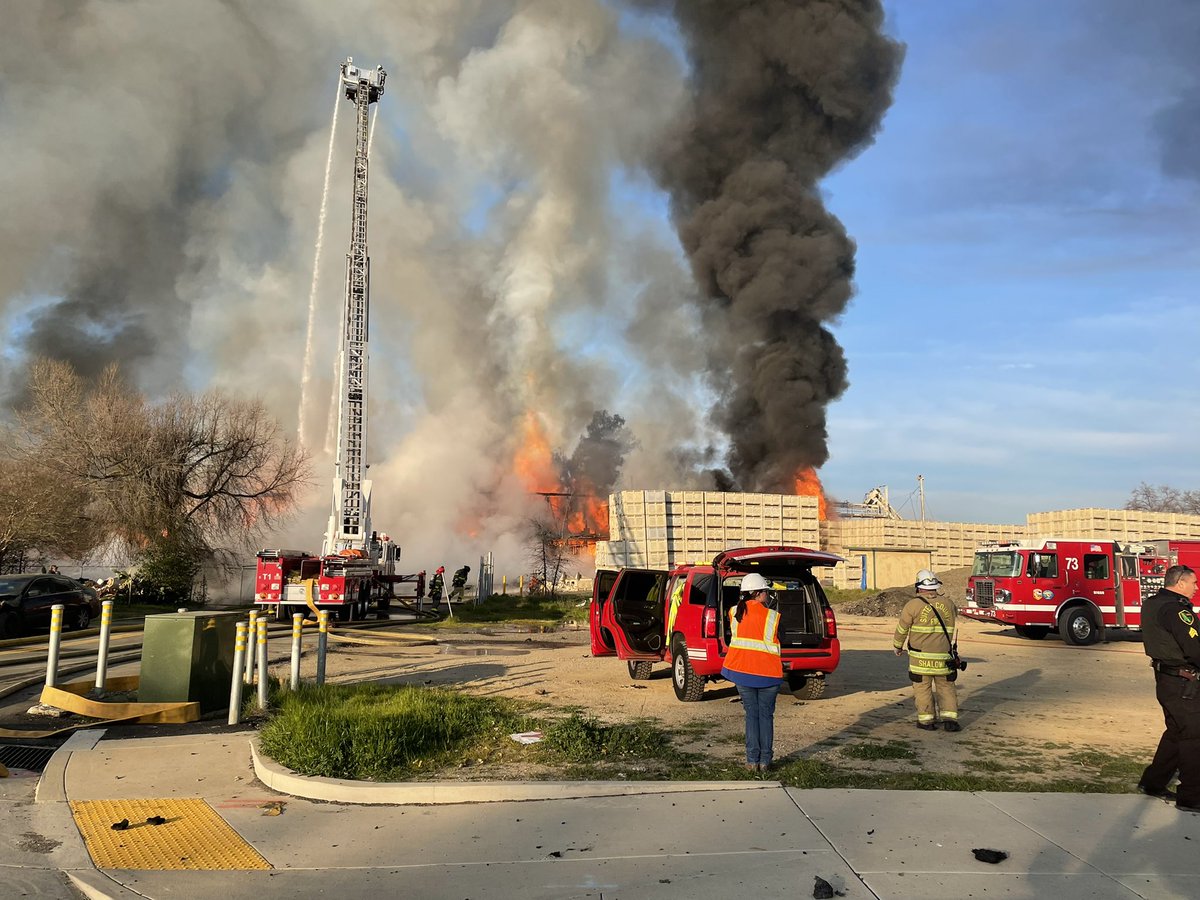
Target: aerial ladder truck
x,y
356,569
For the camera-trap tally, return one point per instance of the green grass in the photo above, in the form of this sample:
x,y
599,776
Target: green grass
x,y
515,609
890,750
403,732
383,732
845,595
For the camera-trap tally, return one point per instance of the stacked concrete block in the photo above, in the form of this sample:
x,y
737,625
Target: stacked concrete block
x,y
1117,524
660,529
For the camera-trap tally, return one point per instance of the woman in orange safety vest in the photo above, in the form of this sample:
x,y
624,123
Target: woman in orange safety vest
x,y
754,664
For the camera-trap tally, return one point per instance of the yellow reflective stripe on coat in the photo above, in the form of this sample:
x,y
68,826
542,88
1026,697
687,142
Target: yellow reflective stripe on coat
x,y
763,646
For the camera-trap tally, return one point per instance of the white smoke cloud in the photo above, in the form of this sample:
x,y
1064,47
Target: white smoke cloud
x,y
162,169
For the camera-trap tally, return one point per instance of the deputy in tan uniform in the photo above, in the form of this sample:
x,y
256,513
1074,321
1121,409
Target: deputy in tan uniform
x,y
929,645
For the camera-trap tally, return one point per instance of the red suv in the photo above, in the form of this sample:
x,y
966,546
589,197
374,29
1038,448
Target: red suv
x,y
631,617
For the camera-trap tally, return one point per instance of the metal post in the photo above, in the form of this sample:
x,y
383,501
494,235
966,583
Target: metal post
x,y
322,643
106,609
297,631
504,585
263,676
56,617
235,683
252,630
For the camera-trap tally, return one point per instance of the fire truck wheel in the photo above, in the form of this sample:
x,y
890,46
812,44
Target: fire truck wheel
x,y
1033,632
345,612
1078,627
806,687
282,614
688,685
639,669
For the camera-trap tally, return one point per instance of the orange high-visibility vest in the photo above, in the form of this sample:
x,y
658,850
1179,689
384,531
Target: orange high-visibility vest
x,y
754,649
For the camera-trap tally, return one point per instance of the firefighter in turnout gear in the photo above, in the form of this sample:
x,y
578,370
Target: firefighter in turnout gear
x,y
1171,633
755,665
435,586
458,584
929,653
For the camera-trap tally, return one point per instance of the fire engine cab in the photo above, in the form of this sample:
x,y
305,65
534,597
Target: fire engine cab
x,y
1075,586
681,616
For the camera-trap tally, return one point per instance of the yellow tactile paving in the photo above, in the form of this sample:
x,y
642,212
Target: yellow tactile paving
x,y
193,836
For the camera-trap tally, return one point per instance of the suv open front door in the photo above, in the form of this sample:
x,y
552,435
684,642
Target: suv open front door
x,y
635,614
602,642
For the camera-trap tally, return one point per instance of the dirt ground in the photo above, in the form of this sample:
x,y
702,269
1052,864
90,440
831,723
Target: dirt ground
x,y
1027,707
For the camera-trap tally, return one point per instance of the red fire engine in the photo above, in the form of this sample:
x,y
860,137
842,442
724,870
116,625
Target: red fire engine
x,y
357,566
1075,586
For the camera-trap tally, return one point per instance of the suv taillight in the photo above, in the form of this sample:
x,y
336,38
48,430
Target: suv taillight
x,y
830,624
710,622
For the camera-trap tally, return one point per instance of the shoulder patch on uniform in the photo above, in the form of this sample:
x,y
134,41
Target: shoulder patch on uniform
x,y
1186,617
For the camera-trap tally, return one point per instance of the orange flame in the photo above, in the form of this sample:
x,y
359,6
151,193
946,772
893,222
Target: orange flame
x,y
534,463
809,485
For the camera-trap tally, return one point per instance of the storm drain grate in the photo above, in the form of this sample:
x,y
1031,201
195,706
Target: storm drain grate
x,y
23,756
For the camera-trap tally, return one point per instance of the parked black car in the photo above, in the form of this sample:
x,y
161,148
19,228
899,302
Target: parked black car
x,y
25,602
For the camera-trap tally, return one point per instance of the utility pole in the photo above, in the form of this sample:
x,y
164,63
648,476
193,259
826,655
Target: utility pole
x,y
921,494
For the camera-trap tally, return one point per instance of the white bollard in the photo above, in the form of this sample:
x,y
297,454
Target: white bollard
x,y
181,609
239,668
297,631
106,613
56,617
252,631
322,643
263,675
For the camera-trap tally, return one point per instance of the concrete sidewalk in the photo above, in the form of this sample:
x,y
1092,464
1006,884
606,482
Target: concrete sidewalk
x,y
695,842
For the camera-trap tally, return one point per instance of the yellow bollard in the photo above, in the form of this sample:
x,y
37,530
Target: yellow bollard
x,y
235,685
56,617
263,676
106,611
297,633
322,643
252,630
504,585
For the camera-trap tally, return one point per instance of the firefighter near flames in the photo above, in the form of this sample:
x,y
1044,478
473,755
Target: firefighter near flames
x,y
356,569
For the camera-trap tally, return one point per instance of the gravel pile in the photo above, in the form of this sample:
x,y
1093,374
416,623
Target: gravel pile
x,y
889,603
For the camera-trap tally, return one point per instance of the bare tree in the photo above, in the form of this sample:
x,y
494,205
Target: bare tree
x,y
1164,498
547,550
42,512
191,476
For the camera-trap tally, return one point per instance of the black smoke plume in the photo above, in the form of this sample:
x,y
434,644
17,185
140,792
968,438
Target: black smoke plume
x,y
782,91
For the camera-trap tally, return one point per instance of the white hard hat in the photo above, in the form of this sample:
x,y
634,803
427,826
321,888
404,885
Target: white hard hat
x,y
927,581
754,582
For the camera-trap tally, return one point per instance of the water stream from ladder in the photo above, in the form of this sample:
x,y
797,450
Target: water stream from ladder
x,y
306,375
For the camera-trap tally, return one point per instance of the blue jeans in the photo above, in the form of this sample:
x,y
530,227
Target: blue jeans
x,y
759,704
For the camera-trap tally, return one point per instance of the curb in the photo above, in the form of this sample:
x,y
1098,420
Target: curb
x,y
425,793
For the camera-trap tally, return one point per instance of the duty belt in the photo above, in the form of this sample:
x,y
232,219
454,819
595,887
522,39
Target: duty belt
x,y
1185,672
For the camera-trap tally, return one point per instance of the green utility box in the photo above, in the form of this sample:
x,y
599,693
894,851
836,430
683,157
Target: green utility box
x,y
188,656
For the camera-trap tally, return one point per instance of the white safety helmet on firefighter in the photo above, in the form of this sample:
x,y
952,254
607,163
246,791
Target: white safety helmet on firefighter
x,y
753,583
927,581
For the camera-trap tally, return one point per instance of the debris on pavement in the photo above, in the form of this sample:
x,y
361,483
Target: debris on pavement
x,y
989,856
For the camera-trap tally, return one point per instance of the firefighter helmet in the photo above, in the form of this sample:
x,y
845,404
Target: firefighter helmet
x,y
927,581
753,583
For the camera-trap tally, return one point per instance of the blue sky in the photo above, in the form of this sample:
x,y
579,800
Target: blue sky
x,y
1026,325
